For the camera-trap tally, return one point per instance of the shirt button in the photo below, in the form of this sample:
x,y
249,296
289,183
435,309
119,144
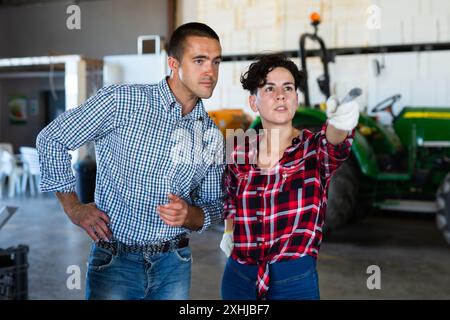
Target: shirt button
x,y
259,244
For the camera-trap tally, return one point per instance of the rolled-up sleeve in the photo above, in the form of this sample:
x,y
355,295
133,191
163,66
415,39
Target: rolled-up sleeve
x,y
209,196
69,131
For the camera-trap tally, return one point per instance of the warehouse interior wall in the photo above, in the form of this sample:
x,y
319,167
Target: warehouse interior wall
x,y
25,134
107,27
2,31
256,26
253,26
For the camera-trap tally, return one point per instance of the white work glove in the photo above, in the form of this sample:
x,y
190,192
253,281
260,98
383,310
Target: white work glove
x,y
343,117
226,245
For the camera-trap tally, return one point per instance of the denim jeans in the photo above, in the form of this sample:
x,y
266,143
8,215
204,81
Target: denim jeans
x,y
289,280
131,276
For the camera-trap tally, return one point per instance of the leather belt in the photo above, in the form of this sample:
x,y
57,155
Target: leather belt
x,y
151,248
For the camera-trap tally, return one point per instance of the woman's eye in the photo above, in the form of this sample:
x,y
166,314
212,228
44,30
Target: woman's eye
x,y
288,89
269,89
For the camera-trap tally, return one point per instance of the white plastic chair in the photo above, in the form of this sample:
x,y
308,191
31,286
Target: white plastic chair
x,y
32,173
7,146
10,169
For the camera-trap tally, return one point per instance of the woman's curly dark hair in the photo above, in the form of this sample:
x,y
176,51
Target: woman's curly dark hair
x,y
256,75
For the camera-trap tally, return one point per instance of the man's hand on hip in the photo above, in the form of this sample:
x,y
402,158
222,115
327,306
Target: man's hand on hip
x,y
92,220
86,216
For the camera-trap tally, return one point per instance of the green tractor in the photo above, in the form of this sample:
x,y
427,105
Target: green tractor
x,y
403,167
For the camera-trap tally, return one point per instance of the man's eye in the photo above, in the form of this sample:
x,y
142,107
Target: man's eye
x,y
217,62
198,61
268,89
288,89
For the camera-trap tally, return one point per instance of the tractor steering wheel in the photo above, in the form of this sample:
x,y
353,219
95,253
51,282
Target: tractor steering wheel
x,y
387,104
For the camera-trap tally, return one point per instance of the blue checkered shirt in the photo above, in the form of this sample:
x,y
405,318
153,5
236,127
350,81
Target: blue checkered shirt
x,y
145,148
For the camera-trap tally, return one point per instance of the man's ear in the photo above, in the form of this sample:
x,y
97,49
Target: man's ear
x,y
173,63
252,102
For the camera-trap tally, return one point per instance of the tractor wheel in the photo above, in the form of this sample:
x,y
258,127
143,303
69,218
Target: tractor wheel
x,y
443,204
342,195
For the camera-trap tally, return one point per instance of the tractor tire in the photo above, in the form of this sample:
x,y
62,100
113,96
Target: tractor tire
x,y
443,204
342,195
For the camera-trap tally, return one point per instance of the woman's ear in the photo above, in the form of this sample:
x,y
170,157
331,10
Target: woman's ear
x,y
252,103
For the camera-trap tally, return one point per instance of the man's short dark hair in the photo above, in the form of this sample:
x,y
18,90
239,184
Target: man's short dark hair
x,y
256,76
178,38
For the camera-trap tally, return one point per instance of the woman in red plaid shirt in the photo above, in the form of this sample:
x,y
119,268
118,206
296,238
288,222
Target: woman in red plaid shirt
x,y
276,184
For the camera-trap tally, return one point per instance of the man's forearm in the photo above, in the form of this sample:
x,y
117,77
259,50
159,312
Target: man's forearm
x,y
68,200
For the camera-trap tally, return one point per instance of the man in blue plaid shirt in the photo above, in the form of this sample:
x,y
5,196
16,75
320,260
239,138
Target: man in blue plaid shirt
x,y
159,169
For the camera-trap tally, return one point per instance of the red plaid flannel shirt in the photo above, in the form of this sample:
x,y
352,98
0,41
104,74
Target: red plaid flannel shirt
x,y
279,213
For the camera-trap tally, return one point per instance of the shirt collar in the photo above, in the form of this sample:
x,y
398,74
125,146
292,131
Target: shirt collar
x,y
249,152
169,102
166,94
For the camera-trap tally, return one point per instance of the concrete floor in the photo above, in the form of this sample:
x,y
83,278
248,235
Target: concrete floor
x,y
413,258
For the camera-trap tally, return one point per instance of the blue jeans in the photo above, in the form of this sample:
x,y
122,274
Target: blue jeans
x,y
130,276
289,280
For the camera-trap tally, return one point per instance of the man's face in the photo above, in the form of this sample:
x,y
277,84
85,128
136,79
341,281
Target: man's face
x,y
277,100
198,69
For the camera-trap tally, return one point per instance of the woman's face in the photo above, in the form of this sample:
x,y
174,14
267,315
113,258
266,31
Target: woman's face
x,y
277,100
